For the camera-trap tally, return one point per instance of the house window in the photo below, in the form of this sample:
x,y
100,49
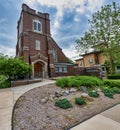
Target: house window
x,y
90,61
118,69
54,55
103,68
64,69
37,26
56,69
80,64
60,69
37,45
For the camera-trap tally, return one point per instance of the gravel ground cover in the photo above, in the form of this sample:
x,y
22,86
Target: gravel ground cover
x,y
35,110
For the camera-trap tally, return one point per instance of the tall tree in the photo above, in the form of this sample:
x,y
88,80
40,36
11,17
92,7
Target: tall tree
x,y
104,33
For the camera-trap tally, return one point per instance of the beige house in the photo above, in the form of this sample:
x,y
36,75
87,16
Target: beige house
x,y
91,59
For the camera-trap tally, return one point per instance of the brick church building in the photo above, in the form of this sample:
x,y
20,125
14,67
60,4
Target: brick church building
x,y
38,48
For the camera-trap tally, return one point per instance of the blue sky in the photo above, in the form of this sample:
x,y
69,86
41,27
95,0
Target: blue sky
x,y
69,21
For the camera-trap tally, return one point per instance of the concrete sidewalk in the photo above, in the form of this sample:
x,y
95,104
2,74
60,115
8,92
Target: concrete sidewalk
x,y
107,120
8,98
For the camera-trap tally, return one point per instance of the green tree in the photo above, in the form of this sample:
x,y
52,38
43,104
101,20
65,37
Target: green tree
x,y
70,61
13,66
104,34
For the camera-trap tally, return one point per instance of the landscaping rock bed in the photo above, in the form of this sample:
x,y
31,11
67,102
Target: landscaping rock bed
x,y
36,110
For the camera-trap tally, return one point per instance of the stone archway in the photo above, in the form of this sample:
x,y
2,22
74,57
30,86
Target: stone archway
x,y
39,69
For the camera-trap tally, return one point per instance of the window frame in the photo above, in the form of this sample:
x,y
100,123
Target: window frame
x,y
64,69
80,63
57,69
36,45
61,69
91,61
54,55
38,25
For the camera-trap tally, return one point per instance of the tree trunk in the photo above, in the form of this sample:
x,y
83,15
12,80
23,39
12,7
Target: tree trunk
x,y
112,69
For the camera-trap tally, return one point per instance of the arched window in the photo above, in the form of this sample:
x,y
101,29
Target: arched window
x,y
37,26
37,45
54,55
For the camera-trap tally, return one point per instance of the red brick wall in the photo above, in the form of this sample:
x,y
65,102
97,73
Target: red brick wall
x,y
29,15
60,55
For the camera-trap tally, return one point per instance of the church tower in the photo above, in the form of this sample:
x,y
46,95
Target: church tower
x,y
37,47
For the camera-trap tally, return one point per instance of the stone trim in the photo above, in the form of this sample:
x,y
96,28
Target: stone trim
x,y
39,54
51,65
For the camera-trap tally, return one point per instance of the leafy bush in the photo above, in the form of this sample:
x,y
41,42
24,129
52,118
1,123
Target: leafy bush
x,y
108,92
63,103
77,81
80,101
63,82
13,67
74,83
89,81
116,90
93,94
113,76
4,83
112,83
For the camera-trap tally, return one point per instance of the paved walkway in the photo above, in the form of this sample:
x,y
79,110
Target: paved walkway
x,y
108,120
7,99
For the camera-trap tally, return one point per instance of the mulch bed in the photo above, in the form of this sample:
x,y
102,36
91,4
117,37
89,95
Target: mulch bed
x,y
31,114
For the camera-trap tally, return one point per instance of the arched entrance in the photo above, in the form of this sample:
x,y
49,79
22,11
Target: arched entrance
x,y
38,70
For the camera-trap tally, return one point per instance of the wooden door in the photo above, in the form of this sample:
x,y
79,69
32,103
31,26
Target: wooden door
x,y
38,68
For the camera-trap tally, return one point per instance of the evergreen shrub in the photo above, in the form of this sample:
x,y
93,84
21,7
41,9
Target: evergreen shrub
x,y
108,92
93,94
80,101
63,103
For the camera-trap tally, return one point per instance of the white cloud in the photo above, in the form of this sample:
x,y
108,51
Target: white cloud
x,y
31,3
7,51
94,4
71,52
77,5
67,37
88,16
77,19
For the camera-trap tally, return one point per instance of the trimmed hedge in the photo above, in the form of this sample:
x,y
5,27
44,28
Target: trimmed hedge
x,y
63,82
112,83
88,81
113,76
77,81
